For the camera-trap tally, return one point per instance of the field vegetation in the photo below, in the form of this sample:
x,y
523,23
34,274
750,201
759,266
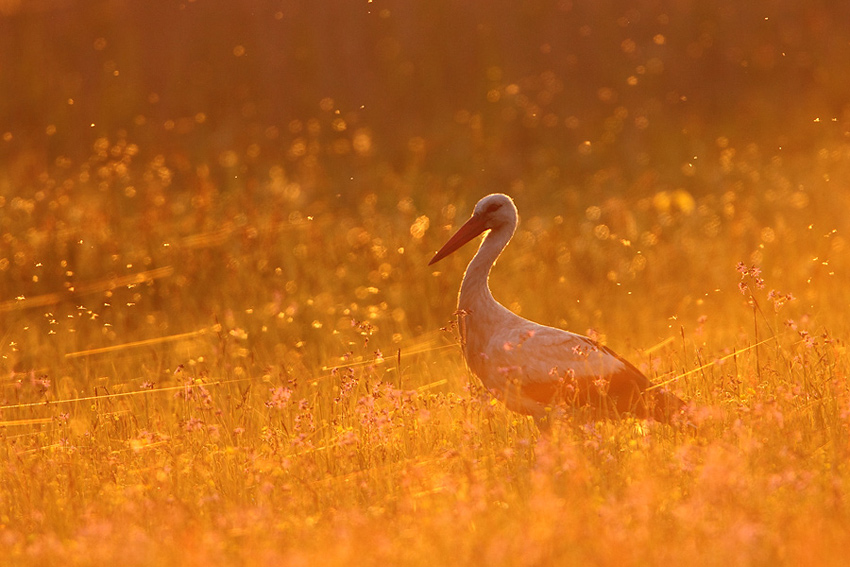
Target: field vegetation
x,y
221,344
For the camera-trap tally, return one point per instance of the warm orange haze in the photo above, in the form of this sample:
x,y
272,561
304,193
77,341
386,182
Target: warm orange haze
x,y
222,343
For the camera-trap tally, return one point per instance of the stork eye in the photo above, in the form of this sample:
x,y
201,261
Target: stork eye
x,y
493,208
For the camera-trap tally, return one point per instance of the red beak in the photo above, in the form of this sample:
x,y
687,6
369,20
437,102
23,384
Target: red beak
x,y
470,229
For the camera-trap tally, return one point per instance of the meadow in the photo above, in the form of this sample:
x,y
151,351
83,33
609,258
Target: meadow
x,y
221,343
223,377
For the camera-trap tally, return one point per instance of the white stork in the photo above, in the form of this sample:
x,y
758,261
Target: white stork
x,y
532,368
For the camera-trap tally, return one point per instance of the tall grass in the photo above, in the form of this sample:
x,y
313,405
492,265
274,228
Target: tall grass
x,y
207,372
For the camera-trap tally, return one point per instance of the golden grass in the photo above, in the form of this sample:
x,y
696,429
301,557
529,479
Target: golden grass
x,y
279,391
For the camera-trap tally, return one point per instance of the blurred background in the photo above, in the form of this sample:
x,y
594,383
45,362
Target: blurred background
x,y
309,157
493,92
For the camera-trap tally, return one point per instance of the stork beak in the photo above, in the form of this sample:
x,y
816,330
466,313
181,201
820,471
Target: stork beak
x,y
470,229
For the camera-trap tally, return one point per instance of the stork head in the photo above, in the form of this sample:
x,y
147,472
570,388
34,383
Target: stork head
x,y
493,212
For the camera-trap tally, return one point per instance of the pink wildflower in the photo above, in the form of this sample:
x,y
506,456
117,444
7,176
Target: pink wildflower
x,y
280,398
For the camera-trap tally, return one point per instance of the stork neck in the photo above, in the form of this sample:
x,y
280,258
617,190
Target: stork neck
x,y
475,285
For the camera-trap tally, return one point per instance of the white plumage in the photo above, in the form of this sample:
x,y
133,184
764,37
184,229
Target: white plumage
x,y
532,368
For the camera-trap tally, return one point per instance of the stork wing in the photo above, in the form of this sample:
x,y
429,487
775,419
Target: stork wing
x,y
550,365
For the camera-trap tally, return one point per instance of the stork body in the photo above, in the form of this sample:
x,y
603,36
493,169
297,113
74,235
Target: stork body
x,y
533,368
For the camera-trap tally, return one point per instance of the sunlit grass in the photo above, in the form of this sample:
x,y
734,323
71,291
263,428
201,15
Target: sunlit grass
x,y
199,375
